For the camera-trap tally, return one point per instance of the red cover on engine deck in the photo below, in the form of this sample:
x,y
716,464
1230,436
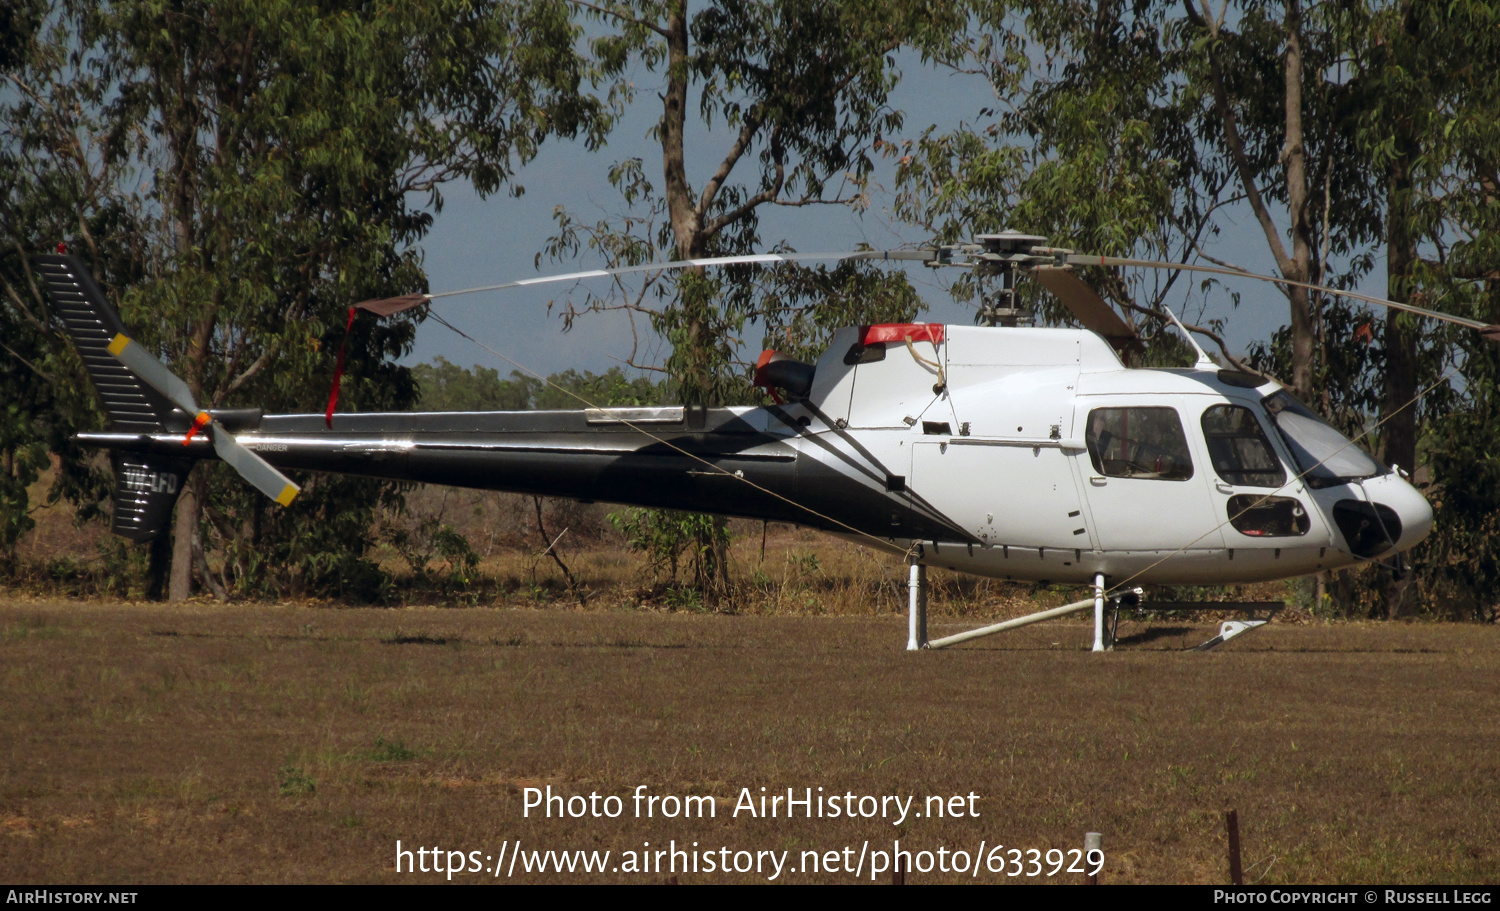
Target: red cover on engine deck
x,y
900,332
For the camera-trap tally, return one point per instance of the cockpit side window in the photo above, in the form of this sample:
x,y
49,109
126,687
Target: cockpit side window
x,y
1238,447
1139,443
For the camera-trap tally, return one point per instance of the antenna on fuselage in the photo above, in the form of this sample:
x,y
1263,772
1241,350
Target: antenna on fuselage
x,y
1204,361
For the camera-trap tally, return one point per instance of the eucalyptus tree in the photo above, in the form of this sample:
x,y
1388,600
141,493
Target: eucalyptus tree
x,y
1433,133
1143,127
1346,131
48,185
277,160
792,101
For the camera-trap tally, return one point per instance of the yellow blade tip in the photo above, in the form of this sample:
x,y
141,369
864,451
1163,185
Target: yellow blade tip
x,y
288,494
119,343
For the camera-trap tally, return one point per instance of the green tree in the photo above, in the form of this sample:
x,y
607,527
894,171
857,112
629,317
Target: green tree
x,y
446,386
46,193
285,156
1424,100
1347,130
1137,128
794,96
1440,153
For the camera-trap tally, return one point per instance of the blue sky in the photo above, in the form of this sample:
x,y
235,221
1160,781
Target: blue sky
x,y
484,241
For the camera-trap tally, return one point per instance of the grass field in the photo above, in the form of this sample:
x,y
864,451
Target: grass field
x,y
210,743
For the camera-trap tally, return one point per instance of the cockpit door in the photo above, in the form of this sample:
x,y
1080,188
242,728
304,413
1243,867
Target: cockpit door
x,y
1263,503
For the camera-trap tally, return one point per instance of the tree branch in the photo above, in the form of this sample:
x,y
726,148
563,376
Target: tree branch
x,y
616,14
256,367
1236,143
754,202
1159,314
741,143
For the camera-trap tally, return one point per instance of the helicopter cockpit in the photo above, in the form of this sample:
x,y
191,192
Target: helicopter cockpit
x,y
1280,479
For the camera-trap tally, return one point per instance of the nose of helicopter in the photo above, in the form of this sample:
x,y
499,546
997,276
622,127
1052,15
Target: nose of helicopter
x,y
1387,508
1413,509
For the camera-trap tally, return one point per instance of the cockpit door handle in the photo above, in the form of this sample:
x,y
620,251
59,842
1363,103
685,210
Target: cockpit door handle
x,y
1223,488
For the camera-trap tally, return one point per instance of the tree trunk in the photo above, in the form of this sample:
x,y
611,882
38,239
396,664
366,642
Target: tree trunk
x,y
1400,410
158,565
1295,264
1401,332
189,505
692,347
1294,160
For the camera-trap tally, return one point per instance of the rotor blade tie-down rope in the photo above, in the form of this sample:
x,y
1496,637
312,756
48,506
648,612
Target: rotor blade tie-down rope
x,y
338,372
942,380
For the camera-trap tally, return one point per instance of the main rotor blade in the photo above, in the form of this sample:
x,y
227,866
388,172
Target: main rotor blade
x,y
153,372
1086,304
1082,259
253,468
388,305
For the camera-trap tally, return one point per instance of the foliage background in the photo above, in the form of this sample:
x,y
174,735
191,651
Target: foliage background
x,y
236,173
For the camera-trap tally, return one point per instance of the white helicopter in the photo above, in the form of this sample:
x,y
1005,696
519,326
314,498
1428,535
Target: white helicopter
x,y
1015,453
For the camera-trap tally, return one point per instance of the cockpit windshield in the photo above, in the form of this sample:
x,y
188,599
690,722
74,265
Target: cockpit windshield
x,y
1324,456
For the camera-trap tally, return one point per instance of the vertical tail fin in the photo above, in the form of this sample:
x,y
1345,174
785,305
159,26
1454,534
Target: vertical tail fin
x,y
146,484
129,404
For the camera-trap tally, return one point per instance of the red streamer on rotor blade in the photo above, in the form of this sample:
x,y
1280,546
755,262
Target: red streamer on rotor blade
x,y
338,371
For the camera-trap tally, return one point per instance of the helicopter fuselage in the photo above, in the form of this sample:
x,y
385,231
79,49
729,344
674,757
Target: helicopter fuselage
x,y
1015,453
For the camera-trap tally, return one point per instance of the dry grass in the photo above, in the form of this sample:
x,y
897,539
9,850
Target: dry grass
x,y
775,569
296,744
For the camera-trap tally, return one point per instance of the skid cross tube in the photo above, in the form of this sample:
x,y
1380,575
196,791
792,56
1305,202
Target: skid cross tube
x,y
1027,620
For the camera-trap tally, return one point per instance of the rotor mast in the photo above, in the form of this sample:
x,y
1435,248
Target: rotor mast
x,y
1001,254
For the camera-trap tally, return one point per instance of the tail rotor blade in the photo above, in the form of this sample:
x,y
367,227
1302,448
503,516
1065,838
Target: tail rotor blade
x,y
253,468
156,374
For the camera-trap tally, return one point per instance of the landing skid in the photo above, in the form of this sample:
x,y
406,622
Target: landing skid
x,y
1256,614
1228,630
1106,615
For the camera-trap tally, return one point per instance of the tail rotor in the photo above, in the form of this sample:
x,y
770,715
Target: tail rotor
x,y
142,396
